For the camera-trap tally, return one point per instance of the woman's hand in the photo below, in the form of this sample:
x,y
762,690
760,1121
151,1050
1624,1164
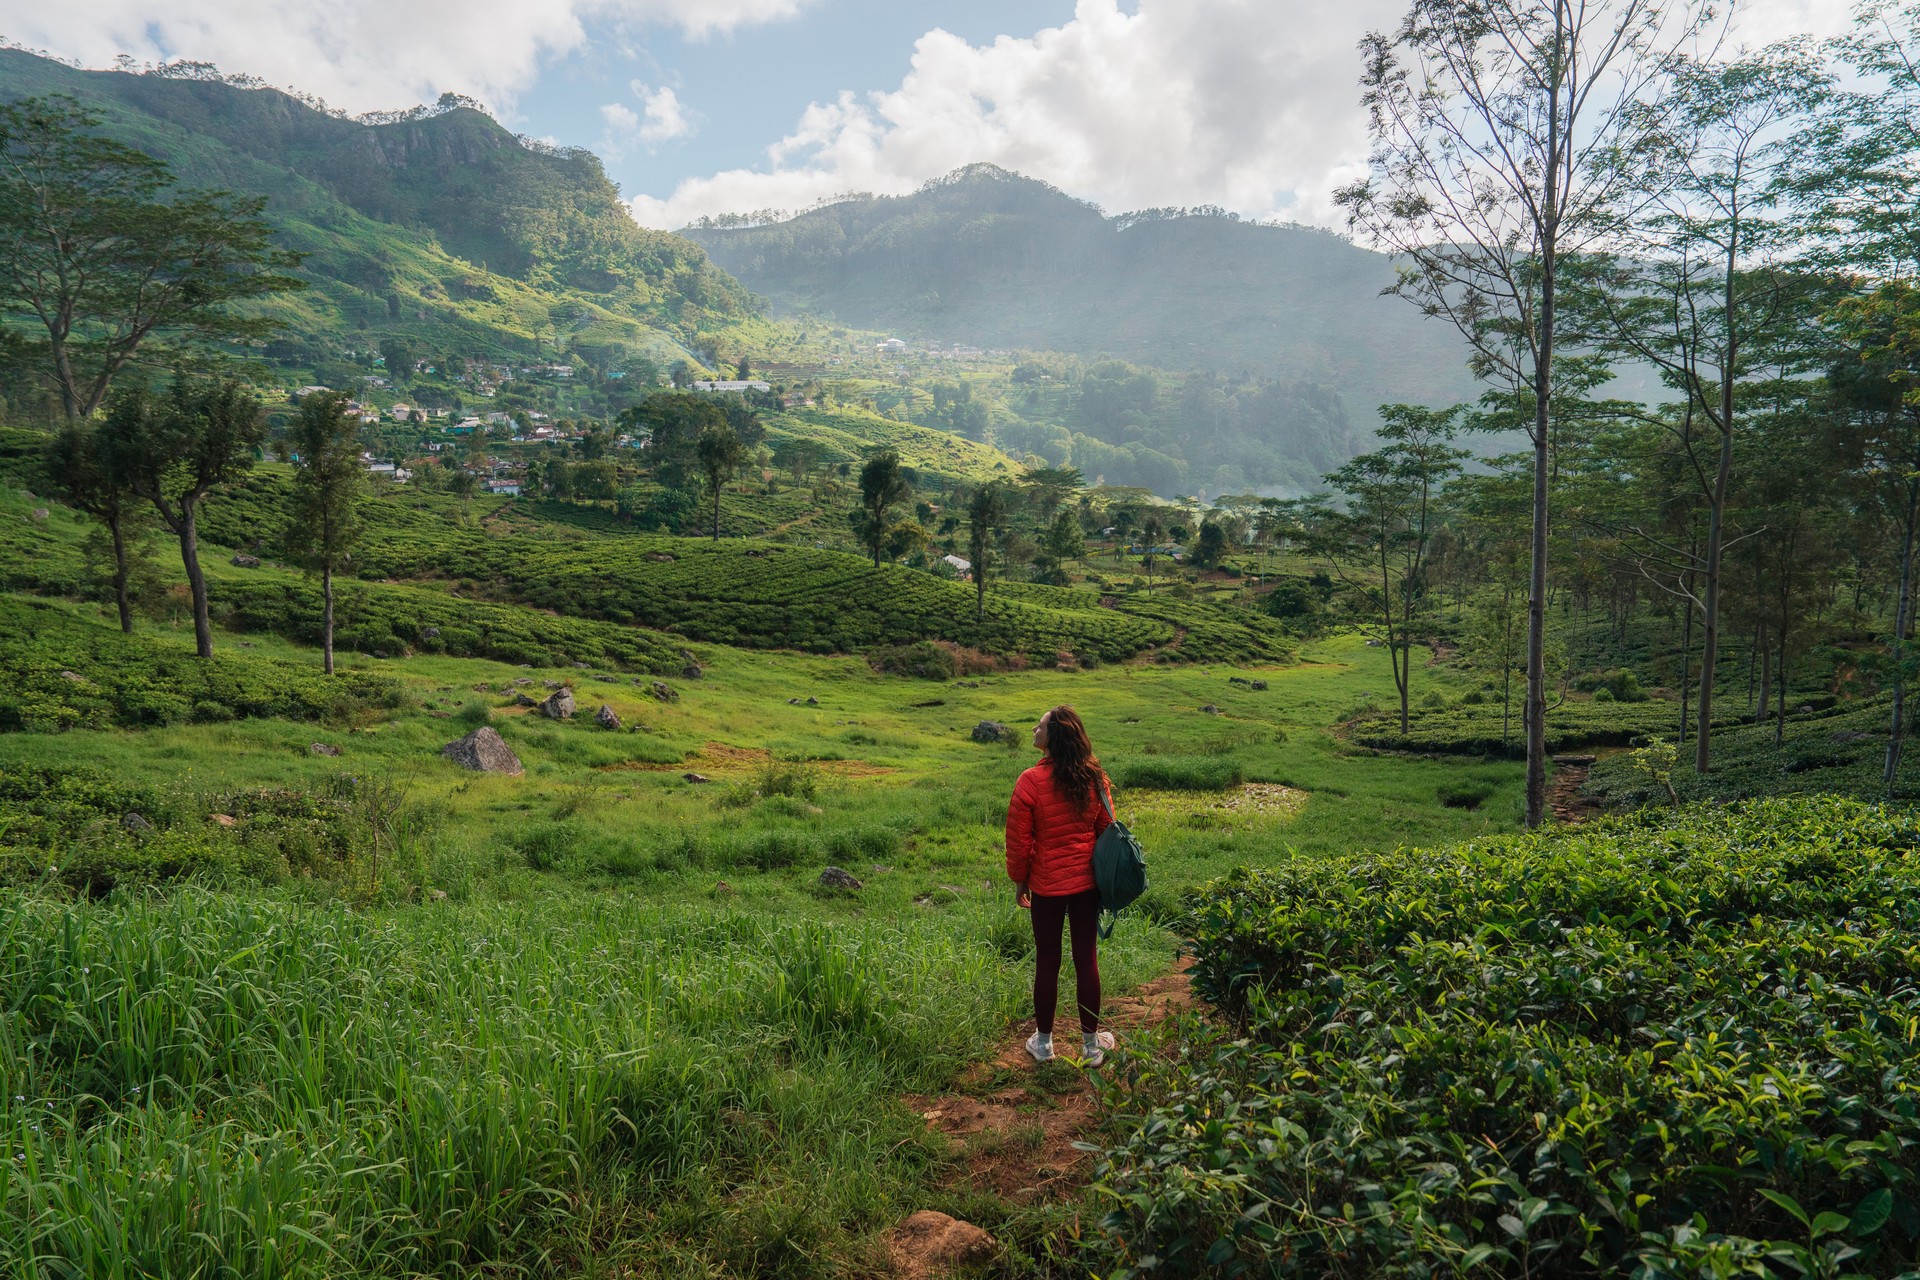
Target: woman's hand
x,y
1022,898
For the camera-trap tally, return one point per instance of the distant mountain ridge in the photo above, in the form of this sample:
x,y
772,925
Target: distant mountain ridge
x,y
1000,260
440,223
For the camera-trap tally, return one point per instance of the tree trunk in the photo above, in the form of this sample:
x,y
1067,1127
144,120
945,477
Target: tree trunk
x,y
716,514
196,578
1766,674
1710,608
1903,604
1780,679
120,597
326,616
1549,225
1686,655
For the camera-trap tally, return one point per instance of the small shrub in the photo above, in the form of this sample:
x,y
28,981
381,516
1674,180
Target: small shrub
x,y
1181,773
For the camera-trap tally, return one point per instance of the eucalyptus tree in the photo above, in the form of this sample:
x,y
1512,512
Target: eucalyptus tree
x,y
1859,200
1379,536
1702,285
1490,120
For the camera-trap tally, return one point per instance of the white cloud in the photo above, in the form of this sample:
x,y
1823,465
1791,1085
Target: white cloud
x,y
1247,104
661,118
365,54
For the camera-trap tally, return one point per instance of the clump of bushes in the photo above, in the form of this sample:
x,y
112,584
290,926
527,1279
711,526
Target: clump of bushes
x,y
1180,773
1618,685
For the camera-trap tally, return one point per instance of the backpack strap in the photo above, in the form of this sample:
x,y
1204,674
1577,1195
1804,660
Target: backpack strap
x,y
1105,792
1105,922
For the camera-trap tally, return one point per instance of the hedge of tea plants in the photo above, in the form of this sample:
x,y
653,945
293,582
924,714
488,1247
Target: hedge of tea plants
x,y
69,672
1677,1044
1480,729
392,620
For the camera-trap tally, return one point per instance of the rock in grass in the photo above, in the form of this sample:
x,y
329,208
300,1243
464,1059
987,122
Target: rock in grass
x,y
322,749
244,561
606,717
663,692
696,777
1258,686
837,878
136,823
1210,710
484,751
990,731
559,705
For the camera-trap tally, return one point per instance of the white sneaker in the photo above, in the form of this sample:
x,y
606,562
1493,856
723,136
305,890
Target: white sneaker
x,y
1097,1054
1041,1052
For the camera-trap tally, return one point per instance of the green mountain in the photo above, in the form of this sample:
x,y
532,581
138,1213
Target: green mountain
x,y
436,225
994,259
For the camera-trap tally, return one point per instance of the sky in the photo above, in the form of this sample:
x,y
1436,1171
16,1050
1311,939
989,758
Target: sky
x,y
706,107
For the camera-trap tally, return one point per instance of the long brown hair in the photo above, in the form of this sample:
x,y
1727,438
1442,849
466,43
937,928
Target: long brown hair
x,y
1076,770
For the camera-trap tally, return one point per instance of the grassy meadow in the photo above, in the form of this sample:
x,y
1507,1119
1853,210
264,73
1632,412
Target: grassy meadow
x,y
371,1014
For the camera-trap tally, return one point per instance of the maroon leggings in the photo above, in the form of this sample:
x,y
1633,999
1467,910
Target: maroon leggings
x,y
1083,911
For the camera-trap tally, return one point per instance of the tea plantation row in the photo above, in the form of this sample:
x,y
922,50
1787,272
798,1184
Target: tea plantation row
x,y
68,672
1677,1044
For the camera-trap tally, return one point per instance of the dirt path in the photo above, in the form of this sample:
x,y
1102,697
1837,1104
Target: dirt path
x,y
1563,792
1015,1121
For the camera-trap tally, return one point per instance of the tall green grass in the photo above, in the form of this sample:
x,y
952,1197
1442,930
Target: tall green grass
x,y
240,1086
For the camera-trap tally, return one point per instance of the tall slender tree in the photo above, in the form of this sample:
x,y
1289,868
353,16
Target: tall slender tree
x,y
1487,118
1380,538
1704,290
721,455
985,511
328,482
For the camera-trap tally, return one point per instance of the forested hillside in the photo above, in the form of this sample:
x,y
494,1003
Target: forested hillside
x,y
992,258
437,225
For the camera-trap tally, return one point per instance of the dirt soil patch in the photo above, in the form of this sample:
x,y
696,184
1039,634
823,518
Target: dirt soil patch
x,y
1015,1121
1563,790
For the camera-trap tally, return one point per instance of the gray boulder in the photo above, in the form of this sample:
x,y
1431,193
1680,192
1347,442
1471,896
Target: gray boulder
x,y
991,731
484,751
322,749
559,705
242,560
136,823
606,717
836,878
1258,686
1210,710
663,692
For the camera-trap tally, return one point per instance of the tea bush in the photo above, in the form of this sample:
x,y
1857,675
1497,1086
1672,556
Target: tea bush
x,y
1673,1045
1478,729
68,672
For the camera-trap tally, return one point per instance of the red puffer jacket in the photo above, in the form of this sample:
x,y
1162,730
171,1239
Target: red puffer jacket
x,y
1049,841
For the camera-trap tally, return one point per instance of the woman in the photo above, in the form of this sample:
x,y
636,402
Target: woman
x,y
1059,808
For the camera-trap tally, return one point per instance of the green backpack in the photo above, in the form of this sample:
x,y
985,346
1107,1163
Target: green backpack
x,y
1119,867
